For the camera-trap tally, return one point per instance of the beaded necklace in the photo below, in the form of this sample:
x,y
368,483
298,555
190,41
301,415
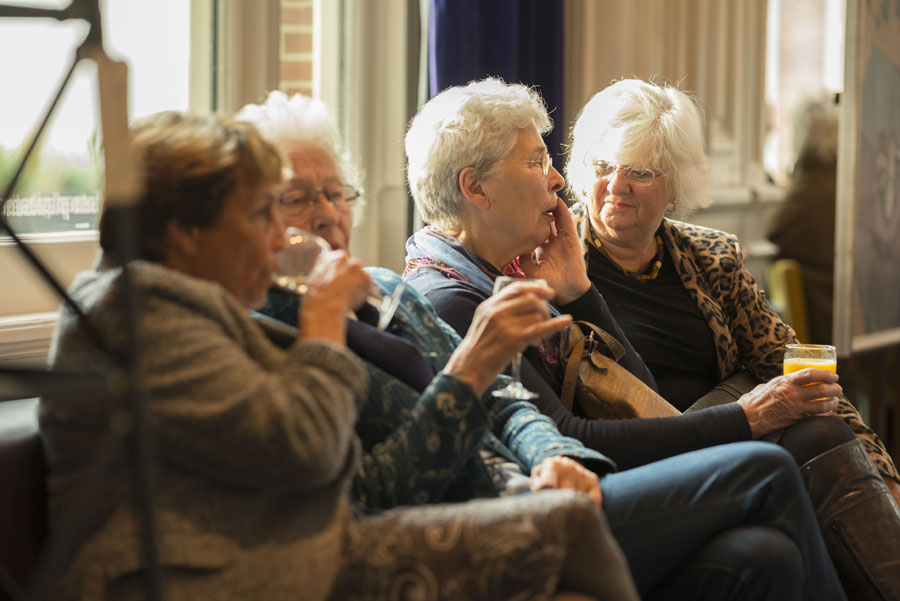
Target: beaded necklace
x,y
649,274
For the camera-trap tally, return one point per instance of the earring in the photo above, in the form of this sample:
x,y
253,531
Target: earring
x,y
670,208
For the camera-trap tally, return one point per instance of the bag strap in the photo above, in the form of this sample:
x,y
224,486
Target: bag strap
x,y
582,349
604,342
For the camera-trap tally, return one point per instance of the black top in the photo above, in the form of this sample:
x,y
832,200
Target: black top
x,y
664,325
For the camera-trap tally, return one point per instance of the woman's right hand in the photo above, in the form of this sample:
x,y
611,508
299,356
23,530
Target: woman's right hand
x,y
503,325
560,259
337,284
787,399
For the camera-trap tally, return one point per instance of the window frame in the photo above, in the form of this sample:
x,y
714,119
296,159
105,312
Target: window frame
x,y
27,299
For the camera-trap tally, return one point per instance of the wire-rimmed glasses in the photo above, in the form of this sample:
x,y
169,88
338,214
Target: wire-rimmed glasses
x,y
636,177
544,162
298,199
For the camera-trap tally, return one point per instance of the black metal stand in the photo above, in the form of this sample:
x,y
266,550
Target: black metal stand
x,y
120,192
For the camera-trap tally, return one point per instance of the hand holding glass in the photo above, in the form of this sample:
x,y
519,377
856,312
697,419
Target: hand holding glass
x,y
515,389
296,260
818,356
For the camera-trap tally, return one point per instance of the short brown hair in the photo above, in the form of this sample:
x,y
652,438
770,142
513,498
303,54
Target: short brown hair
x,y
191,165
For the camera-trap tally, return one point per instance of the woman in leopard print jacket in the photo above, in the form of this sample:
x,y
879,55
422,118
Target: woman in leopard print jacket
x,y
686,302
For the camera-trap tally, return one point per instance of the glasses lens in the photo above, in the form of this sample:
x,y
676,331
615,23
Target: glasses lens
x,y
547,163
295,198
335,195
604,167
641,177
349,193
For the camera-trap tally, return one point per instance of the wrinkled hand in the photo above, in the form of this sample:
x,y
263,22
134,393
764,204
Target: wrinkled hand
x,y
560,261
503,325
337,284
562,472
785,400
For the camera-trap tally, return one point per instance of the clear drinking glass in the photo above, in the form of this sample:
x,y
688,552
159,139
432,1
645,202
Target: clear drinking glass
x,y
801,356
515,389
296,260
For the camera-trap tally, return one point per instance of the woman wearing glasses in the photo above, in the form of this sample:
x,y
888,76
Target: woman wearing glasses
x,y
689,306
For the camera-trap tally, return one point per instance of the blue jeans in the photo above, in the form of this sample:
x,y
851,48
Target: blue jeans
x,y
727,522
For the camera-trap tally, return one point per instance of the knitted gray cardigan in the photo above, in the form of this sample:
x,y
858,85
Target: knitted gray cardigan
x,y
253,445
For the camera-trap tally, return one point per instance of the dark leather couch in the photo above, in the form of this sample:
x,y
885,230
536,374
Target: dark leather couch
x,y
23,495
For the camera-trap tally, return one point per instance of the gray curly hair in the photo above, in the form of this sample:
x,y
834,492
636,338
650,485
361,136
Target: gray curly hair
x,y
474,125
290,122
633,122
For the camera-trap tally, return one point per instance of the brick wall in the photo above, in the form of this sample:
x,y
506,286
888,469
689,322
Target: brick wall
x,y
296,46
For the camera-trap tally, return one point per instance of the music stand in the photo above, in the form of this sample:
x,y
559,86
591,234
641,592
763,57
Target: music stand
x,y
122,187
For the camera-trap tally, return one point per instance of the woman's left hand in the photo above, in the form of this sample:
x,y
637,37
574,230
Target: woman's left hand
x,y
560,261
785,400
562,472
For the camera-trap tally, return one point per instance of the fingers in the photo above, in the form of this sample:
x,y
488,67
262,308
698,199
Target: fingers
x,y
784,400
823,407
565,473
537,332
564,222
811,375
560,259
340,278
536,288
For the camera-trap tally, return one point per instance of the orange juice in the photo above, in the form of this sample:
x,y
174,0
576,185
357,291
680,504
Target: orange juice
x,y
796,364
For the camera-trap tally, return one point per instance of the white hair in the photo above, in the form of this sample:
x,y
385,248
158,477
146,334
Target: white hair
x,y
815,129
291,122
633,122
474,125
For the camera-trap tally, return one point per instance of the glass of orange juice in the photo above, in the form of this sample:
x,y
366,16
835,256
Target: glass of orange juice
x,y
801,356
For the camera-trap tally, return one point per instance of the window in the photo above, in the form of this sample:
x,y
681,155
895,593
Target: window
x,y
60,189
804,56
56,202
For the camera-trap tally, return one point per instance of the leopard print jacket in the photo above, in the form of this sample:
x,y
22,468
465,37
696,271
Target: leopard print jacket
x,y
748,333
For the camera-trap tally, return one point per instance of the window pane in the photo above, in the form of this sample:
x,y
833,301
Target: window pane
x,y
60,189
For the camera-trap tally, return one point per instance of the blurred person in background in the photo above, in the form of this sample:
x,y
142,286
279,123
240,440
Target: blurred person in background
x,y
803,225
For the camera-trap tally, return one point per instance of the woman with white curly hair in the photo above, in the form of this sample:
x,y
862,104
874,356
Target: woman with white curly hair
x,y
694,313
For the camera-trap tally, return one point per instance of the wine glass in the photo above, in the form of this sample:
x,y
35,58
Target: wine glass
x,y
296,260
515,389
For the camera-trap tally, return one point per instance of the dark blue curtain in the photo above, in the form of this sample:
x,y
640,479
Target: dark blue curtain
x,y
518,40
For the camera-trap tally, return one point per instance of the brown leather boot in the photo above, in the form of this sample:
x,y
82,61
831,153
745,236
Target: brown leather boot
x,y
859,519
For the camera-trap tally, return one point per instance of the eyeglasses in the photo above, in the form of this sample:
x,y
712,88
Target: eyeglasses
x,y
636,177
545,162
299,199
